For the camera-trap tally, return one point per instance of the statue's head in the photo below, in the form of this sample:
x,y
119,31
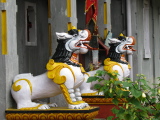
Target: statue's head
x,y
124,45
75,41
79,44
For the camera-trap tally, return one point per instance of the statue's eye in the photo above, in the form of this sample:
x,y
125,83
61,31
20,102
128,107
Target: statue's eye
x,y
74,35
126,47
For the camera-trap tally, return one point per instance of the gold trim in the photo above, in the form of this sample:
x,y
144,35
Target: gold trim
x,y
52,116
53,109
67,96
54,74
129,66
102,100
54,71
86,10
89,94
83,70
31,108
108,65
19,87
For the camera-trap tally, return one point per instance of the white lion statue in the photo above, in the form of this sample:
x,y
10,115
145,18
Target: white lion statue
x,y
65,74
115,61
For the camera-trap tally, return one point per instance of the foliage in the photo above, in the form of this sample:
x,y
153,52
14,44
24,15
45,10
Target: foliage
x,y
140,100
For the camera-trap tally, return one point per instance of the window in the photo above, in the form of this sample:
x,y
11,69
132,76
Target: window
x,y
30,24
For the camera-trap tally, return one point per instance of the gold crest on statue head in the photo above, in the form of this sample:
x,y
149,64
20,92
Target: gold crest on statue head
x,y
121,34
73,27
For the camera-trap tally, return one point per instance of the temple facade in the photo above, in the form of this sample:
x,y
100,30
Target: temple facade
x,y
28,39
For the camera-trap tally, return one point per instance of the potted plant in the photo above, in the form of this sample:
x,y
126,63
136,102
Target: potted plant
x,y
140,100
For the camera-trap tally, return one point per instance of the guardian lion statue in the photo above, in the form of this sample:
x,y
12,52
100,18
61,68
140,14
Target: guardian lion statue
x,y
115,61
64,75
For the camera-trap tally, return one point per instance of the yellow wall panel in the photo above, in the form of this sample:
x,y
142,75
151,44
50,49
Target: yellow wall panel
x,y
105,13
68,8
4,31
105,32
69,26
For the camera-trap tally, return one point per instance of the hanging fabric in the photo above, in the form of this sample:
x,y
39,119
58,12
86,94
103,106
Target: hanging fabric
x,y
91,11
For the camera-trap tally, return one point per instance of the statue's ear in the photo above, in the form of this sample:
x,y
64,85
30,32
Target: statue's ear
x,y
63,35
57,34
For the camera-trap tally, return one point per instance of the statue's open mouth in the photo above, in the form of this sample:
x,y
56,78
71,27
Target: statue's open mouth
x,y
129,47
90,48
84,44
79,43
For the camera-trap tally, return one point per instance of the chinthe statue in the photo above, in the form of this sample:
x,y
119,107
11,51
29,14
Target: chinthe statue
x,y
115,61
64,75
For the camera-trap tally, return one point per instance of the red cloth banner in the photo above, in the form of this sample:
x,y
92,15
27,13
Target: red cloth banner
x,y
91,10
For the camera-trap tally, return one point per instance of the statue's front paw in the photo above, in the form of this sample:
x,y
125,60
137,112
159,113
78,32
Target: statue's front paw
x,y
84,105
101,93
74,106
78,106
44,106
52,105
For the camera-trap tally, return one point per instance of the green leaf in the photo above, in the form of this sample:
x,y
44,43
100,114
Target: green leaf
x,y
117,82
135,92
136,86
101,72
97,86
106,89
157,115
143,81
119,93
99,80
136,118
91,79
110,118
155,119
125,93
115,111
135,102
111,94
104,72
128,117
143,114
126,84
157,106
151,111
106,82
121,110
153,100
115,101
